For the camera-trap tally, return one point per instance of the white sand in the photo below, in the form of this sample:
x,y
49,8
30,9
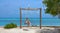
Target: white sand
x,y
17,30
23,30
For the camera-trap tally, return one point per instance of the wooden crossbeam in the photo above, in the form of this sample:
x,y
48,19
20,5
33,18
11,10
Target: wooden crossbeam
x,y
30,8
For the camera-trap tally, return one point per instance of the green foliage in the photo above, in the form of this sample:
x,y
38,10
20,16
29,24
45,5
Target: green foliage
x,y
11,25
53,7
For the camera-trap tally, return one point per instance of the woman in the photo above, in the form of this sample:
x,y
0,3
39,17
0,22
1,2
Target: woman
x,y
27,22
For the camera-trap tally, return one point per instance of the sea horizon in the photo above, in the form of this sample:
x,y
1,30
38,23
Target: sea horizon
x,y
34,21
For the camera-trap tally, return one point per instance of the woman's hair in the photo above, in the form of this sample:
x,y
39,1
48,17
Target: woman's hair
x,y
26,18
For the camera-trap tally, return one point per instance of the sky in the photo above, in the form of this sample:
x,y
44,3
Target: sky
x,y
11,9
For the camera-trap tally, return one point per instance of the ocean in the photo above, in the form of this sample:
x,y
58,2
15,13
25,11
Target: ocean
x,y
45,22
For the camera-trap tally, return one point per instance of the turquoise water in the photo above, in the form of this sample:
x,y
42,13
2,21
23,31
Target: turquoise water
x,y
45,22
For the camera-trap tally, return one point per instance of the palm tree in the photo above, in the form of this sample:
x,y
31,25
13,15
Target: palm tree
x,y
53,7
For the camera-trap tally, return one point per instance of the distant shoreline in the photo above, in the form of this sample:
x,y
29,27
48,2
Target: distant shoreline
x,y
33,26
37,26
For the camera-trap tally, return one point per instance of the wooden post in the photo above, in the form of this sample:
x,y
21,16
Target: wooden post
x,y
40,17
20,18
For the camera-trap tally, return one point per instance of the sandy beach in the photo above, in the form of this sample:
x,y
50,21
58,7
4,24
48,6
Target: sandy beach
x,y
23,30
